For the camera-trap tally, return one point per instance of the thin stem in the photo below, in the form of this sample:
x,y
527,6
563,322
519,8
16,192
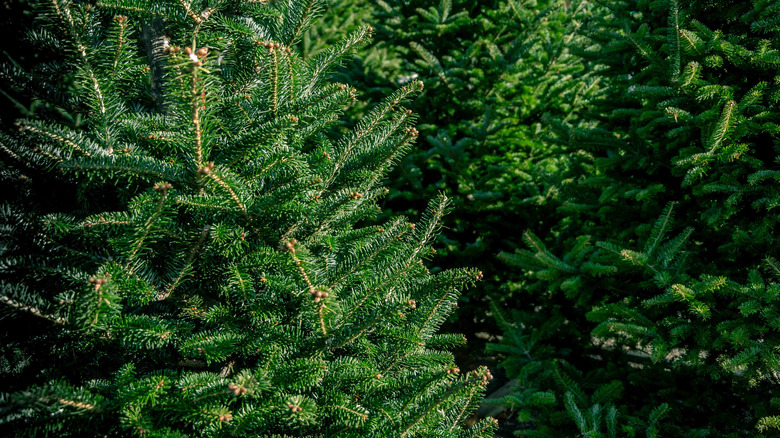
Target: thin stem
x,y
33,310
195,105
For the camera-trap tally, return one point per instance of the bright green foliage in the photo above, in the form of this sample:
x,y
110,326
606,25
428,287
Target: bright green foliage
x,y
667,298
209,275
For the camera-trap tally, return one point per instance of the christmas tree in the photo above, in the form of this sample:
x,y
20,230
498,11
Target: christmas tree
x,y
189,249
495,72
661,315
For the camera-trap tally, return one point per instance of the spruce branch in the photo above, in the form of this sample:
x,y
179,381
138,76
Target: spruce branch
x,y
122,23
59,137
187,264
478,377
147,227
32,310
195,107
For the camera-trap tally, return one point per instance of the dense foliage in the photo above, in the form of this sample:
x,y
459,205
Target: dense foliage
x,y
495,71
194,245
661,317
202,269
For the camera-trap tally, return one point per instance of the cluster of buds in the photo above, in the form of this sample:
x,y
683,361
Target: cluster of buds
x,y
172,49
294,408
198,55
273,47
485,377
225,417
237,390
411,131
318,294
206,169
162,187
479,275
316,180
412,304
291,245
160,384
412,226
97,282
453,370
120,19
294,118
356,195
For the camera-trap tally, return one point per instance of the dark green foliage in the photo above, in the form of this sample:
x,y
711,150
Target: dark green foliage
x,y
493,72
209,274
656,299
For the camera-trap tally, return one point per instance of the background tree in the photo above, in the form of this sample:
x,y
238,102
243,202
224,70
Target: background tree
x,y
494,72
661,316
210,274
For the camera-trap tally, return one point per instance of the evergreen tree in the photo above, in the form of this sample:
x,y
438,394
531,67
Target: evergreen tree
x,y
205,270
494,71
661,317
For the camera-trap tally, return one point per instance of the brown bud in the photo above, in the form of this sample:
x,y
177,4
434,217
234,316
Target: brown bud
x,y
412,304
202,52
188,50
206,169
294,118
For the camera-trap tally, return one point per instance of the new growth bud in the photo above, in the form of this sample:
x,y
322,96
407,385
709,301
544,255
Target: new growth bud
x,y
206,169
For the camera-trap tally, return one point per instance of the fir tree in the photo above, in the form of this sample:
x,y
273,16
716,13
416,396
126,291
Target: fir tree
x,y
661,316
494,72
209,273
